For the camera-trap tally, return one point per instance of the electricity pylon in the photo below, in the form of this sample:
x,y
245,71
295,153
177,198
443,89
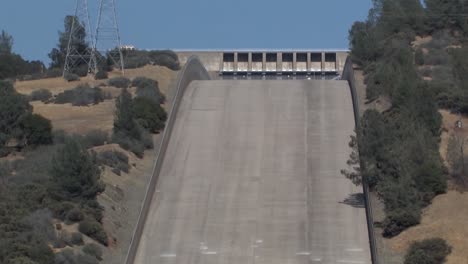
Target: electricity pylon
x,y
80,40
107,45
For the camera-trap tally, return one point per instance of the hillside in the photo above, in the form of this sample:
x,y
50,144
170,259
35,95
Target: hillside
x,y
124,191
412,80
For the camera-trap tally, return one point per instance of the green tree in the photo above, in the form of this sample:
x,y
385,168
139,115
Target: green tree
x,y
36,130
75,173
14,108
6,42
149,114
57,55
124,121
446,14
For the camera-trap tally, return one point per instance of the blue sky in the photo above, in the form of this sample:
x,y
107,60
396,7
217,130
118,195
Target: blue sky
x,y
193,24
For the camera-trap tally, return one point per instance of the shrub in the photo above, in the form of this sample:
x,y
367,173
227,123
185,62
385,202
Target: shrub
x,y
119,82
429,251
437,57
42,95
86,259
53,73
93,209
93,250
96,138
400,219
151,91
71,77
61,209
101,75
36,130
149,114
94,230
419,57
75,215
136,58
128,143
114,159
143,81
59,136
77,239
82,95
167,58
68,256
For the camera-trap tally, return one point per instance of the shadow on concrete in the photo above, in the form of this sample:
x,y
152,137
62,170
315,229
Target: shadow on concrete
x,y
355,200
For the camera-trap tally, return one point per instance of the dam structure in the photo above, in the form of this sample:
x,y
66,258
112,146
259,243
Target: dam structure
x,y
270,62
248,171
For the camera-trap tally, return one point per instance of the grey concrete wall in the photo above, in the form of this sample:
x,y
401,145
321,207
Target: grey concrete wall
x,y
193,70
348,75
244,61
211,60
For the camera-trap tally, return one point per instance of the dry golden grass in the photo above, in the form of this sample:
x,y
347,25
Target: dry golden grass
x,y
419,41
80,120
163,75
447,216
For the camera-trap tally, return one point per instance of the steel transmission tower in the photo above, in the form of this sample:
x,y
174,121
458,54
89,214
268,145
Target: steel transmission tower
x,y
80,40
107,45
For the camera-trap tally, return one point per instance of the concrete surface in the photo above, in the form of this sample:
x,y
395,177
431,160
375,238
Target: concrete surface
x,y
251,175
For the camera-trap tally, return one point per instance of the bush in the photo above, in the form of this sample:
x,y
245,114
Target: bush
x,y
93,250
133,145
400,219
114,159
75,215
68,256
101,75
419,57
143,81
36,130
429,251
437,57
96,138
86,259
82,95
77,239
93,209
94,230
61,209
42,95
151,91
167,58
54,73
119,82
148,114
71,77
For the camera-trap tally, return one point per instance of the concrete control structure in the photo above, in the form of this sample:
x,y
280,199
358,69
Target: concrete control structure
x,y
270,61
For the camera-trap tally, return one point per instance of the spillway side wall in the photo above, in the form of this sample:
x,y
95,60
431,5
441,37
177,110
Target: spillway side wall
x,y
193,70
348,75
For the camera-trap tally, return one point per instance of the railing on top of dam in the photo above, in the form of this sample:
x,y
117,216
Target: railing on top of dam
x,y
348,75
193,70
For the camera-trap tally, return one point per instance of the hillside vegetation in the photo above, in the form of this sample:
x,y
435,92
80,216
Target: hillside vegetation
x,y
399,147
